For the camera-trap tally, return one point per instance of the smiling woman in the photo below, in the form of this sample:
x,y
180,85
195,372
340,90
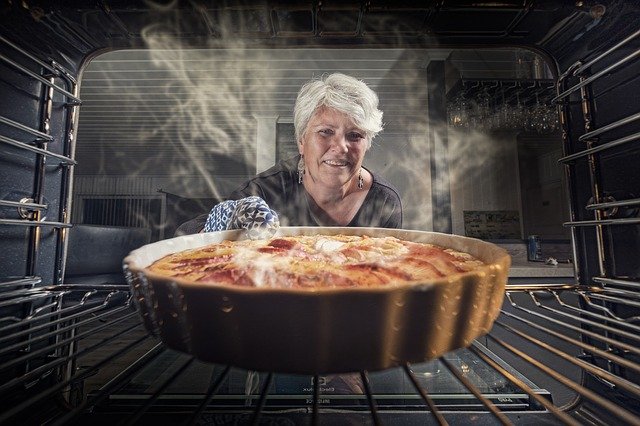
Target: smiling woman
x,y
331,153
335,119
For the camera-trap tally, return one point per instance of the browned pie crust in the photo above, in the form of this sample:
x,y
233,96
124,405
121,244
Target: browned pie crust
x,y
316,261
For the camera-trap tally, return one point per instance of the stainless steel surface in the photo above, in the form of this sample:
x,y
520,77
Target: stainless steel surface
x,y
624,283
24,128
613,204
579,68
611,126
599,222
558,413
64,159
591,153
33,223
609,145
23,205
53,68
39,78
33,211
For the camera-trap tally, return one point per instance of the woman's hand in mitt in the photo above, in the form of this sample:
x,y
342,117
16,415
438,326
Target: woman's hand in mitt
x,y
251,213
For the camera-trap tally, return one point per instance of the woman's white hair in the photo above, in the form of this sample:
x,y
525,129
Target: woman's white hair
x,y
342,93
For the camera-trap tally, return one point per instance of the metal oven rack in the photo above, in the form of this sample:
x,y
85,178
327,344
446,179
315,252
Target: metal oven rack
x,y
37,163
106,334
52,146
61,337
604,227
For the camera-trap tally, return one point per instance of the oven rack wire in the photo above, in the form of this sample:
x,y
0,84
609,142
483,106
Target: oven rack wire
x,y
591,137
59,86
578,101
558,312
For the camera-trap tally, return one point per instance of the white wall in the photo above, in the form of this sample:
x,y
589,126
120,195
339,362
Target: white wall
x,y
484,173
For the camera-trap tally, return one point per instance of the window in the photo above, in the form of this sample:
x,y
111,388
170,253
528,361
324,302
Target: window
x,y
286,146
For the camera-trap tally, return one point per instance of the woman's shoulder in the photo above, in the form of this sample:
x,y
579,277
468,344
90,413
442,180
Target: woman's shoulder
x,y
382,186
288,165
275,181
382,206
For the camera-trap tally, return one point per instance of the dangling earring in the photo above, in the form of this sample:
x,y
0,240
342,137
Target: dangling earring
x,y
360,180
300,169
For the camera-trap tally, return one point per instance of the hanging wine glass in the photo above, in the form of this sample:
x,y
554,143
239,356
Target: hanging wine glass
x,y
483,111
547,120
535,121
504,113
516,114
552,118
458,111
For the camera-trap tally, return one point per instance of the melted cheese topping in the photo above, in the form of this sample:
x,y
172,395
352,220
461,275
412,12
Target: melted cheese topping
x,y
315,261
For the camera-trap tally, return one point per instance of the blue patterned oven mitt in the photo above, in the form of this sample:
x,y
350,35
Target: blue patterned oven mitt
x,y
251,213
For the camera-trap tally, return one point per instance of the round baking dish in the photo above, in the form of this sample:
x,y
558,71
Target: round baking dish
x,y
317,331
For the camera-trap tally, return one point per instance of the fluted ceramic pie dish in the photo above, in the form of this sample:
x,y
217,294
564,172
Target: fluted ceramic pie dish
x,y
323,330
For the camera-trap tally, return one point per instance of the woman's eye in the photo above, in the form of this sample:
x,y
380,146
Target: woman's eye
x,y
354,136
326,132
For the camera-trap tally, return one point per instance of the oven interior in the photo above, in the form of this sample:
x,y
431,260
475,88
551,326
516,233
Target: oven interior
x,y
565,348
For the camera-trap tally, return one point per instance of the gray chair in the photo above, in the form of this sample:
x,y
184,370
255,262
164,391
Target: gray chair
x,y
95,252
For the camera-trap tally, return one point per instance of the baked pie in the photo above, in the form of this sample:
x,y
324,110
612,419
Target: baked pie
x,y
316,261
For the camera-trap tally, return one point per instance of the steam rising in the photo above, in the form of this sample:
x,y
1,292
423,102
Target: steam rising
x,y
215,107
212,98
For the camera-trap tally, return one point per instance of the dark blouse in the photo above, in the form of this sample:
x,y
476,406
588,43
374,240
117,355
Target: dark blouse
x,y
279,187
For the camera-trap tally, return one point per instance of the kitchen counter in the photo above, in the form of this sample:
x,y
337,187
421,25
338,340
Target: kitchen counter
x,y
522,268
525,269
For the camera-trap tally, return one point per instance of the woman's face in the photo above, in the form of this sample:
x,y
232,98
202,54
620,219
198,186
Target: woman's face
x,y
333,148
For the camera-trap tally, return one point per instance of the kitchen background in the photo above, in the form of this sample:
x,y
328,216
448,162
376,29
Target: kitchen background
x,y
167,132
